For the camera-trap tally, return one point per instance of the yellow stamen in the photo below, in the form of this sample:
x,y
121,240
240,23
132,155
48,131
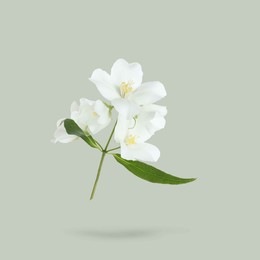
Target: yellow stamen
x,y
126,88
94,114
130,139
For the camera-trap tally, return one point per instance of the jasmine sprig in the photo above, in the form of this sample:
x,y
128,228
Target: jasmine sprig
x,y
138,119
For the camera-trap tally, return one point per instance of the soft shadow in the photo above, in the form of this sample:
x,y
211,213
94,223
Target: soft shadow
x,y
126,233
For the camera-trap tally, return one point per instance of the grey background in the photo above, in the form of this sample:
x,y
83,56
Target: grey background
x,y
207,55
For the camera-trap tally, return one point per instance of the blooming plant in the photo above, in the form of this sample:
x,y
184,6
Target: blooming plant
x,y
138,118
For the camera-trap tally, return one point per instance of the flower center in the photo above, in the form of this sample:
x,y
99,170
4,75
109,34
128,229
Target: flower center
x,y
130,139
94,114
126,88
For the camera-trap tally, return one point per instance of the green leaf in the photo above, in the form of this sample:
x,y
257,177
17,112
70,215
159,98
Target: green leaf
x,y
73,129
150,173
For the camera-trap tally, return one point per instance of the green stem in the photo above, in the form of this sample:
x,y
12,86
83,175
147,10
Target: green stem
x,y
110,150
110,137
104,152
98,174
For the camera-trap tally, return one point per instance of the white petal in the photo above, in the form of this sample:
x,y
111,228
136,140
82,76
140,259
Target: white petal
x,y
95,128
162,110
74,107
60,121
141,152
75,115
121,129
122,71
61,135
100,117
103,112
149,120
85,101
149,93
125,107
93,115
104,84
85,111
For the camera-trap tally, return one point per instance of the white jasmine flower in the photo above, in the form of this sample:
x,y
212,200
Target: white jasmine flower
x,y
124,87
132,134
90,116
